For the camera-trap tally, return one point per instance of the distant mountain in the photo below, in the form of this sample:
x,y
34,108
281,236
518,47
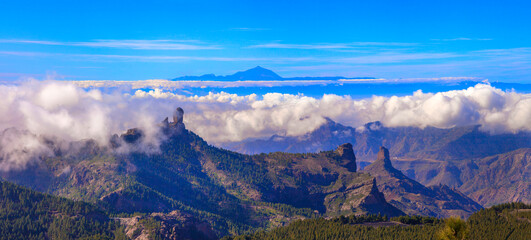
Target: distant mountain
x,y
415,199
491,180
405,142
500,178
256,73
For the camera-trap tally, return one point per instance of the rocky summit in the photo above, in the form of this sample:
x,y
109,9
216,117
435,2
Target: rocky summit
x,y
414,198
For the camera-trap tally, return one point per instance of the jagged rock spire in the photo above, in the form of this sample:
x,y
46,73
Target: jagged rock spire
x,y
383,158
177,126
383,165
348,159
178,116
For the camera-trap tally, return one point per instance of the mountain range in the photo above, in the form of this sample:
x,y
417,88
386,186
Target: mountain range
x,y
257,73
215,192
489,168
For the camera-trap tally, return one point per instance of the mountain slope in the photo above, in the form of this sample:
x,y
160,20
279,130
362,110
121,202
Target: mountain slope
x,y
501,178
26,214
415,199
231,192
491,180
507,221
454,157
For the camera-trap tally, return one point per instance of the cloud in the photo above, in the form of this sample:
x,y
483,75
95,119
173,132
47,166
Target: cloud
x,y
247,29
155,58
172,85
228,117
321,46
65,112
462,39
380,58
391,57
127,44
18,149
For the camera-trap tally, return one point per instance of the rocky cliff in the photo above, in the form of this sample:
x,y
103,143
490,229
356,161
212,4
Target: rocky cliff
x,y
414,198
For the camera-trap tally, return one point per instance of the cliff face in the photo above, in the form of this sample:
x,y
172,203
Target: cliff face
x,y
500,178
326,182
348,159
414,198
174,225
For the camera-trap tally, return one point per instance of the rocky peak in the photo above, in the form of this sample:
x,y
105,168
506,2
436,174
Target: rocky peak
x,y
383,158
178,116
348,159
383,165
175,127
132,135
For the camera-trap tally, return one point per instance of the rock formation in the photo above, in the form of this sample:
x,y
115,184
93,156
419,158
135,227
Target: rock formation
x,y
348,159
132,135
414,198
178,116
177,126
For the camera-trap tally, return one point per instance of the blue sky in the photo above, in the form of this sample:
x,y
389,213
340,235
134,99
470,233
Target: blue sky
x,y
133,40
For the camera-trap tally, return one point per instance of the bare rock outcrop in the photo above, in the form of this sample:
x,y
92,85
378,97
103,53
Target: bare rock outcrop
x,y
348,159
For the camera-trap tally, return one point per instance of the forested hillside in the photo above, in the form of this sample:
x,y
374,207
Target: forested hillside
x,y
506,221
26,214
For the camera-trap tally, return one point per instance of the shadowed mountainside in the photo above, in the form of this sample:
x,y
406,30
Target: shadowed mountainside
x,y
415,199
490,169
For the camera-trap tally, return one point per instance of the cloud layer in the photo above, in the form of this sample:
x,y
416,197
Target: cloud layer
x,y
228,117
164,44
64,111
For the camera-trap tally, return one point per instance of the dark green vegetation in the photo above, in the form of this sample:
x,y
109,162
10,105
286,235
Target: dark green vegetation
x,y
499,222
26,214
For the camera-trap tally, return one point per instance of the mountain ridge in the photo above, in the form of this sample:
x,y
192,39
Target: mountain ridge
x,y
415,199
431,156
232,193
257,73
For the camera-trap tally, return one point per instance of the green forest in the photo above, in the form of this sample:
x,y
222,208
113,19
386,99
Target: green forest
x,y
505,221
26,214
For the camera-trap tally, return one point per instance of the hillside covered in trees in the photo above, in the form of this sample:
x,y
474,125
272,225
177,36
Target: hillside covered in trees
x,y
505,221
26,214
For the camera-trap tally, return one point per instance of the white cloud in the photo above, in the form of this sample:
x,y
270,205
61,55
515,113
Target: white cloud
x,y
322,46
462,39
164,44
228,117
63,111
171,85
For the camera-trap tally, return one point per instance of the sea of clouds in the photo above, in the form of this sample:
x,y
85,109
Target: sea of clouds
x,y
67,112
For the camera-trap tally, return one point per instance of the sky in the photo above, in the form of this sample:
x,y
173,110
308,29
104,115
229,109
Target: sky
x,y
139,40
